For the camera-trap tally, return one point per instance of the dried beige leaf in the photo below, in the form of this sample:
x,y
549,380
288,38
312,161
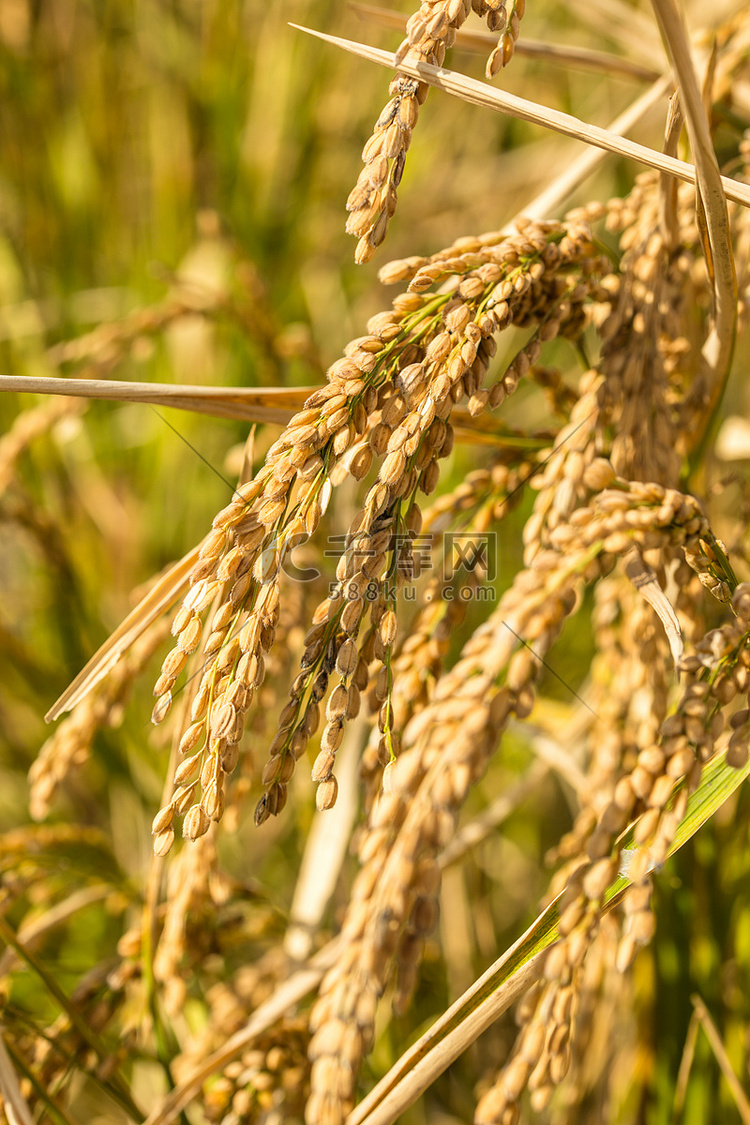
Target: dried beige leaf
x,y
481,93
713,220
163,594
647,584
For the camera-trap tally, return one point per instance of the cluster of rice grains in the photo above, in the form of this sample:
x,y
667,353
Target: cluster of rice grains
x,y
607,490
603,492
643,762
270,1080
385,411
429,33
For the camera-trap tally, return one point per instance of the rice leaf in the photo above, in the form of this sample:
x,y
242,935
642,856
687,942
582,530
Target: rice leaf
x,y
480,93
518,968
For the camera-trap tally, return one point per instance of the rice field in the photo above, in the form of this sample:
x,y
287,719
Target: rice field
x,y
375,616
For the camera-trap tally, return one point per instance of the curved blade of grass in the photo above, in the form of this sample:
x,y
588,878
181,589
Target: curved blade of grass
x,y
115,1086
480,93
29,934
717,785
163,594
647,584
514,972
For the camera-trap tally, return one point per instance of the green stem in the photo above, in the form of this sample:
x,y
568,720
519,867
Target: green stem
x,y
116,1088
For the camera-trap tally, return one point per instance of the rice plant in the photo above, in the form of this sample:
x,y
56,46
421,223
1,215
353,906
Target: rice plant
x,y
392,609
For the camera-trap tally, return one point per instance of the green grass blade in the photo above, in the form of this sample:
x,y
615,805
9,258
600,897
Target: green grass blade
x,y
115,1087
514,972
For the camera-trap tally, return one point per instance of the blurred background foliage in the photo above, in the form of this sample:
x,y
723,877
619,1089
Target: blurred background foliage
x,y
195,155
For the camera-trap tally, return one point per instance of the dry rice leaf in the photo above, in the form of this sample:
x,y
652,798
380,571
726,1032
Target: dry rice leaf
x,y
255,404
163,594
686,1063
325,849
480,93
248,458
564,54
270,405
668,220
15,1104
720,1052
712,214
647,584
514,972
